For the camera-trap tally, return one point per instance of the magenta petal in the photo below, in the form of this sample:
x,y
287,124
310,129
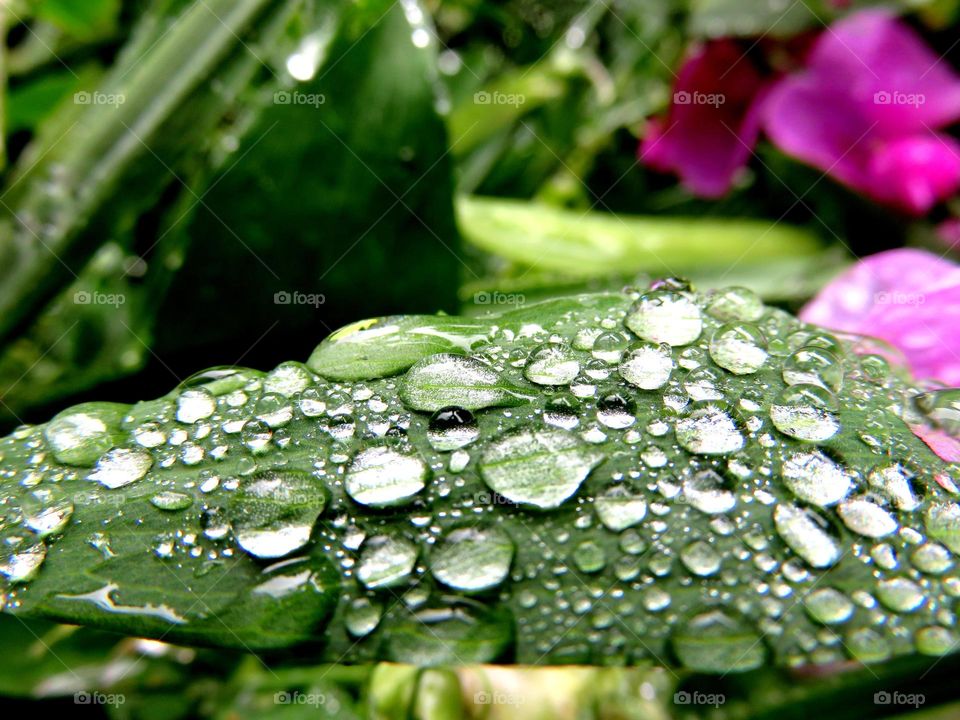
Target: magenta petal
x,y
945,446
882,63
713,122
914,172
910,298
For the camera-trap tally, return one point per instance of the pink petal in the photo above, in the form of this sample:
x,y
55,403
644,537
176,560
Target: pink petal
x,y
945,446
915,172
883,64
910,298
713,122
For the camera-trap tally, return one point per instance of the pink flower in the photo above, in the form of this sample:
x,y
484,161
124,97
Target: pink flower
x,y
865,108
910,298
713,123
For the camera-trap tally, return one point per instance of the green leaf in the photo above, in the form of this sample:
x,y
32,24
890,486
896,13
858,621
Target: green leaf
x,y
622,513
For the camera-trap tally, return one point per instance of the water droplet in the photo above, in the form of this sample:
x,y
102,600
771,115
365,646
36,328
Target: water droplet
x,y
552,364
82,434
700,558
815,478
943,524
709,430
900,594
540,468
23,564
892,480
444,380
662,316
935,641
647,366
287,379
828,606
362,617
121,467
273,512
932,558
805,534
171,500
709,493
735,303
195,404
609,346
620,508
473,559
451,428
383,477
589,557
805,412
386,561
866,518
813,366
716,642
51,519
739,348
615,411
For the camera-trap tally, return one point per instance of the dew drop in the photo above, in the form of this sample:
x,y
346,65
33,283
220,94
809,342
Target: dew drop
x,y
473,559
383,477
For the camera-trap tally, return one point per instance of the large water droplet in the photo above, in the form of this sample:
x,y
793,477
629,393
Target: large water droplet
x,y
716,642
708,492
700,558
805,534
540,468
383,477
709,430
892,480
552,364
805,412
273,512
473,559
195,404
815,478
662,316
444,380
386,561
867,518
828,606
900,594
735,303
82,434
647,366
121,467
619,508
21,565
943,524
813,366
739,348
51,519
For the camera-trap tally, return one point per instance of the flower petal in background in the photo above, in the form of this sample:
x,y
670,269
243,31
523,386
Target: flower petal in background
x,y
713,121
866,108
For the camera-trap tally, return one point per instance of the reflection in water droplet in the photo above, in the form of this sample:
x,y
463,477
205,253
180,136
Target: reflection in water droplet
x,y
80,435
815,478
709,430
386,561
171,500
805,412
50,520
619,508
708,492
662,316
739,348
362,617
22,564
121,467
552,364
383,477
473,559
866,518
195,404
804,533
900,594
647,366
716,642
541,468
451,428
700,558
828,606
813,366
